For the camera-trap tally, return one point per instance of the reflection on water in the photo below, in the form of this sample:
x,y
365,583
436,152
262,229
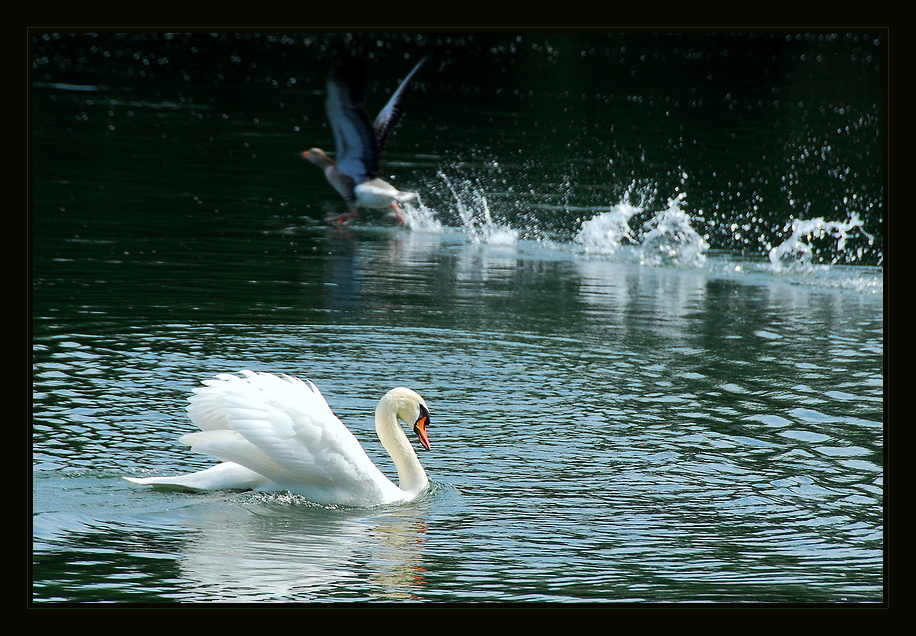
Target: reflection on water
x,y
272,549
241,548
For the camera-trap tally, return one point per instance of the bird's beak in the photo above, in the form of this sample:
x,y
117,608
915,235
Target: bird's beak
x,y
305,154
420,429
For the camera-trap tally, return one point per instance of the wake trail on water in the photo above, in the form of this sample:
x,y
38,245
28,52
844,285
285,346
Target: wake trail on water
x,y
630,231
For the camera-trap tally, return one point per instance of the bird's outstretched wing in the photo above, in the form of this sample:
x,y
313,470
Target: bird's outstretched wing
x,y
393,111
357,153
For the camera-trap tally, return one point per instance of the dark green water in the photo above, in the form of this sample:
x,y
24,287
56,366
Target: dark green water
x,y
608,426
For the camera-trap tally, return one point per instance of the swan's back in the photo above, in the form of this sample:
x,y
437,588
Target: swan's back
x,y
282,428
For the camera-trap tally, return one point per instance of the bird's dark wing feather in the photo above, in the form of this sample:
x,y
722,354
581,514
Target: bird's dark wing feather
x,y
357,153
391,114
345,184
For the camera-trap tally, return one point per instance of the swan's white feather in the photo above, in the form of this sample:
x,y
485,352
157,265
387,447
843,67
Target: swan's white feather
x,y
227,475
281,434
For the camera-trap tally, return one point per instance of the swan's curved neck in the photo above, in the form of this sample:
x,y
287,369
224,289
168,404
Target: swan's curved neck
x,y
411,476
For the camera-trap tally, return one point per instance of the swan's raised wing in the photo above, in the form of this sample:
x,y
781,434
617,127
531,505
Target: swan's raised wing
x,y
282,428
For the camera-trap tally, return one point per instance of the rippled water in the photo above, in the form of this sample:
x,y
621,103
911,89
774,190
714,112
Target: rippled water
x,y
611,433
618,413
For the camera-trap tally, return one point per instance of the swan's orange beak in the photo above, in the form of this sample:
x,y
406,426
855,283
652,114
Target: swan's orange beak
x,y
420,429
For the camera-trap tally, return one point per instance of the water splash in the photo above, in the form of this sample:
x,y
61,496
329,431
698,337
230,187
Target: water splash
x,y
420,218
797,252
476,219
603,235
671,239
635,231
666,238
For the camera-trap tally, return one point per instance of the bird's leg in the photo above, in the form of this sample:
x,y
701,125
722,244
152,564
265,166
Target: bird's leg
x,y
397,213
342,218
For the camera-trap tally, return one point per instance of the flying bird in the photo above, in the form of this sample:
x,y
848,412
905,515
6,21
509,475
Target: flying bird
x,y
354,171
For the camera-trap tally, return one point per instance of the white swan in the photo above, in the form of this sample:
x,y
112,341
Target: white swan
x,y
278,433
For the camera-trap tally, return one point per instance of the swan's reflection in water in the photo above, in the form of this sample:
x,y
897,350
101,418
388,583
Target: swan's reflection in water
x,y
398,573
277,547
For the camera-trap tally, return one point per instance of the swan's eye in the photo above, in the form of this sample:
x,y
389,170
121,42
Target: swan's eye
x,y
424,416
421,425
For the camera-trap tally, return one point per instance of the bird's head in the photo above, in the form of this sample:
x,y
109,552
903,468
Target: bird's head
x,y
317,156
411,409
